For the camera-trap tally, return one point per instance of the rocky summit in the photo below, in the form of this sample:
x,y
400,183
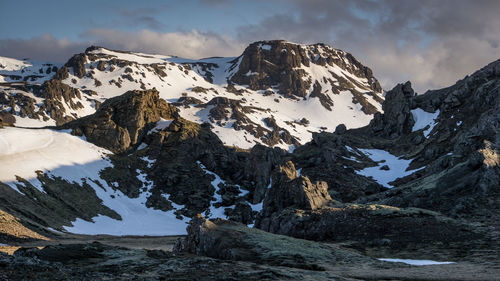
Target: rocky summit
x,y
288,162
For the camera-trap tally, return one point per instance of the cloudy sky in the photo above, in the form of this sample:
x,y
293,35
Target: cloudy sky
x,y
432,43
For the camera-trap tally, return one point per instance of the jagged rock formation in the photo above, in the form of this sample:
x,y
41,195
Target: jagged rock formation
x,y
268,64
122,122
289,190
328,159
260,163
397,118
296,207
57,94
460,153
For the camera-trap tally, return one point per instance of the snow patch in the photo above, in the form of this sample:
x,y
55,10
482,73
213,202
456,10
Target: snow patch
x,y
417,262
161,125
24,151
424,119
265,47
397,166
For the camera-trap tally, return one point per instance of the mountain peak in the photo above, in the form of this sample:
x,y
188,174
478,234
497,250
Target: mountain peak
x,y
302,71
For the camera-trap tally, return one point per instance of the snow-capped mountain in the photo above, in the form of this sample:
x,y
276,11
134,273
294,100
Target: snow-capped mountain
x,y
276,93
138,144
143,142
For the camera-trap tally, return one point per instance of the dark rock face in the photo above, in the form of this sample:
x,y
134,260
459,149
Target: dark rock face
x,y
266,64
179,150
273,67
6,119
327,159
289,190
55,96
59,205
396,119
370,225
258,167
123,121
278,134
460,155
77,63
55,93
458,158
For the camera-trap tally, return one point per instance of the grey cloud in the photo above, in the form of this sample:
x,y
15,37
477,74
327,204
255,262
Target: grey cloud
x,y
190,44
44,48
432,43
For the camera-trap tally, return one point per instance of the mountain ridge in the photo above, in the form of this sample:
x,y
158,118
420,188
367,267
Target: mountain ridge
x,y
98,74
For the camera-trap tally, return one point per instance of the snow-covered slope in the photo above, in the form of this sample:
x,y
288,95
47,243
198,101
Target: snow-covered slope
x,y
258,106
27,152
13,70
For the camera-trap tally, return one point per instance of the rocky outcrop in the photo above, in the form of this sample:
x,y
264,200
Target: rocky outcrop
x,y
77,63
122,122
56,94
57,99
289,190
296,207
267,64
460,154
396,119
232,241
375,225
258,167
6,119
327,158
455,161
278,134
269,67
